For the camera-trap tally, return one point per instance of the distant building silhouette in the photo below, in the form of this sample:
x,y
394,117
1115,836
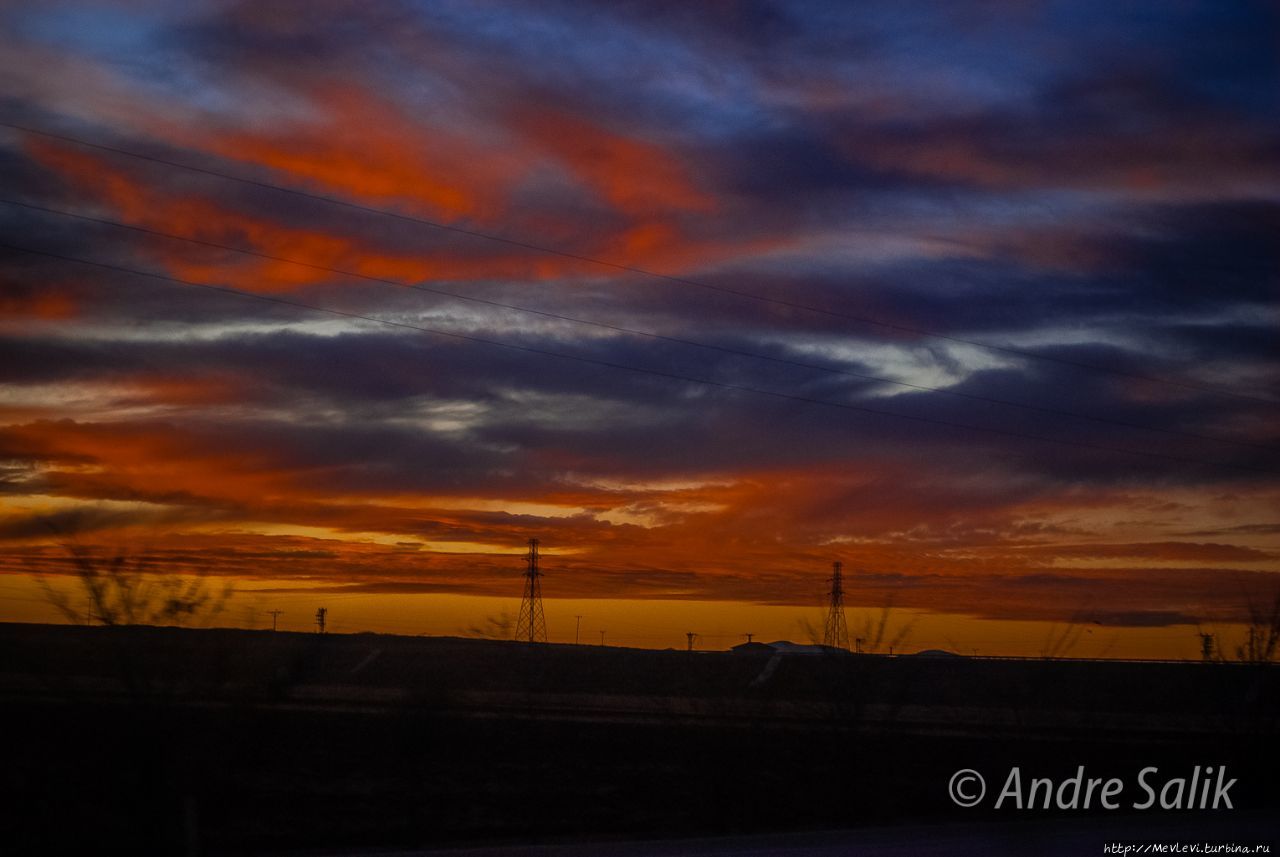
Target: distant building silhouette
x,y
785,647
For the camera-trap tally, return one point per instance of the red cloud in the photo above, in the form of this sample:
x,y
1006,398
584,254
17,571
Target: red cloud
x,y
635,177
367,148
51,303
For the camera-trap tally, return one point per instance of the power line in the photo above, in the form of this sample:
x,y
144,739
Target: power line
x,y
707,382
632,269
991,400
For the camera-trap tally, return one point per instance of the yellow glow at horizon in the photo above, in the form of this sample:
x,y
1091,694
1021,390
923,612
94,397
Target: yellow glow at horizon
x,y
652,624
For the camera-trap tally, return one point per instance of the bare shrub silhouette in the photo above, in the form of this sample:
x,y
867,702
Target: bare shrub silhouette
x,y
1262,637
501,626
1261,641
875,632
809,630
1062,640
133,590
161,764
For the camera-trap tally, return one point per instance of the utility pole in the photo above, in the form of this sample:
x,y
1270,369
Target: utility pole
x,y
602,637
835,632
274,615
320,617
691,637
532,625
577,626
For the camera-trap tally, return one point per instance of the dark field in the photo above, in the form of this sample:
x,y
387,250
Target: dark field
x,y
147,740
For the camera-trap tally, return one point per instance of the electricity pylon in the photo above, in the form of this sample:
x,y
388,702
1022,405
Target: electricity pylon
x,y
532,625
836,632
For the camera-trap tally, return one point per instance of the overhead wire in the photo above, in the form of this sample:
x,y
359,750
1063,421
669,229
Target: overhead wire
x,y
674,376
617,328
633,269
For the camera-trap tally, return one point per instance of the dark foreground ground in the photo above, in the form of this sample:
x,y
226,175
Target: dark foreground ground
x,y
1042,838
165,741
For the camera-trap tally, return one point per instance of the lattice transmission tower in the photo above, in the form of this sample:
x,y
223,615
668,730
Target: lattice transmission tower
x,y
836,632
532,625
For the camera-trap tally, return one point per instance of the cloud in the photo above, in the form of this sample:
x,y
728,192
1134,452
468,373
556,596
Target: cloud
x,y
1192,551
899,186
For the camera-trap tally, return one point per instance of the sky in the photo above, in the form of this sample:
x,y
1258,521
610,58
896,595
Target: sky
x,y
337,300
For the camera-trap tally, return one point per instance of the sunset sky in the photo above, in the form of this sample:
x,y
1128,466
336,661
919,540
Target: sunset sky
x,y
978,298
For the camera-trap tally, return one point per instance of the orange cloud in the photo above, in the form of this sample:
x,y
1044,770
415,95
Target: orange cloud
x,y
754,538
144,462
158,208
1205,154
1168,551
163,209
636,177
364,146
211,389
49,304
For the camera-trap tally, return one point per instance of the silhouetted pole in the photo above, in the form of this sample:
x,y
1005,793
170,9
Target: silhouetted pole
x,y
577,626
320,617
274,615
532,625
691,636
749,635
602,638
835,632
